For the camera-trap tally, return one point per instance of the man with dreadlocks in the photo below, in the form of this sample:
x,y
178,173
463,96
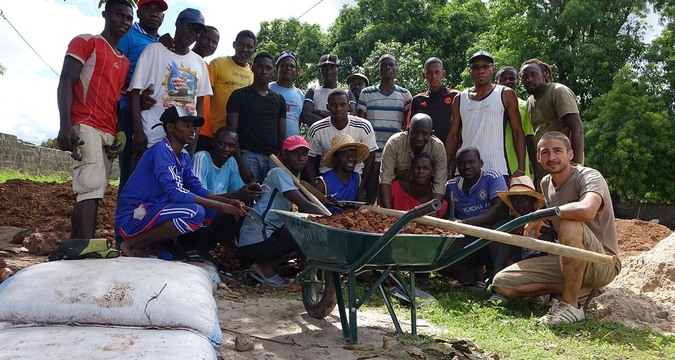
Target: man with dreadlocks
x,y
552,107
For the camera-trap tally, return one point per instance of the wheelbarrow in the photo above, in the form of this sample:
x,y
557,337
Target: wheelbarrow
x,y
330,252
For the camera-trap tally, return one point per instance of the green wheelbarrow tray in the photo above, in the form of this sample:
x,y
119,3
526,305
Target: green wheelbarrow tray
x,y
335,247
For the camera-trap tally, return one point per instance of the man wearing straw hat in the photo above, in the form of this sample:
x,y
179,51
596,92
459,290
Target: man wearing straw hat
x,y
522,199
586,221
341,181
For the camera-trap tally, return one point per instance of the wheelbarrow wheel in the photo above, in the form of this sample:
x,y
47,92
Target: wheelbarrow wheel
x,y
318,293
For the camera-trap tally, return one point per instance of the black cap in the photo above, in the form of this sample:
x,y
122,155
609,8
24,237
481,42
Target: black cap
x,y
481,54
175,113
329,59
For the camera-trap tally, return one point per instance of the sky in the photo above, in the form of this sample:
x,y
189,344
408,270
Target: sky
x,y
28,88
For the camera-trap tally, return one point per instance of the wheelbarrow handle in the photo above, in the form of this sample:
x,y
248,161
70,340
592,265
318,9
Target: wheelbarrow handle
x,y
543,214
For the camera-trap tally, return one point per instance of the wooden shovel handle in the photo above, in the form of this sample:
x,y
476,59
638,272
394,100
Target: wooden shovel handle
x,y
506,238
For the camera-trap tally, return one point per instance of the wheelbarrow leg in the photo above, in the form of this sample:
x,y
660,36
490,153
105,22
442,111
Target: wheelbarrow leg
x,y
390,308
413,305
341,305
351,287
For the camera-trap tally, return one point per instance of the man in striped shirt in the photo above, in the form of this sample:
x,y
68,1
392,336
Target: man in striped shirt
x,y
385,105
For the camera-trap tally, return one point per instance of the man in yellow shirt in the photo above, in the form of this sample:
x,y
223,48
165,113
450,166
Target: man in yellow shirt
x,y
229,73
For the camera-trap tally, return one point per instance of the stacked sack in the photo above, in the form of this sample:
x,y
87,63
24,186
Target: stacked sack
x,y
109,309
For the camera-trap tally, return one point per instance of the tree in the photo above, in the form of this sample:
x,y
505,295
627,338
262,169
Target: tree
x,y
2,70
102,2
587,41
51,143
305,40
630,140
440,28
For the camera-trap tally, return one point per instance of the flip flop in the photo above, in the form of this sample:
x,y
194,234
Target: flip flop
x,y
193,256
274,282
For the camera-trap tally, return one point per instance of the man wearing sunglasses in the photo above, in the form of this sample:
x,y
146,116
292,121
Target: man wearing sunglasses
x,y
481,113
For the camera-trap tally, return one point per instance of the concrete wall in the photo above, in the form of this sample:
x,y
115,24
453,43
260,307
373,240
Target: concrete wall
x,y
665,213
35,160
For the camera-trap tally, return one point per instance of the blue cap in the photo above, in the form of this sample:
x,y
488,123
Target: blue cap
x,y
193,16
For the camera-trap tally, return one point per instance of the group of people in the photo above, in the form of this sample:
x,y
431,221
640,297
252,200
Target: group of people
x,y
195,138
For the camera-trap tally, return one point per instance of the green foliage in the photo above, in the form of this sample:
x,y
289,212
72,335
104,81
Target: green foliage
x,y
2,70
445,29
587,41
305,40
102,2
630,140
10,175
51,143
661,54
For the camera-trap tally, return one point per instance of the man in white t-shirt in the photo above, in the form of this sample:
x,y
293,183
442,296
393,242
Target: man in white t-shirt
x,y
316,99
179,78
322,132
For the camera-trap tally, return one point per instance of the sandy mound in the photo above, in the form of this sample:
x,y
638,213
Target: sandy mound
x,y
644,292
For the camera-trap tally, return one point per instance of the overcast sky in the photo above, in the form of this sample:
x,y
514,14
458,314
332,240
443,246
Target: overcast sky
x,y
28,88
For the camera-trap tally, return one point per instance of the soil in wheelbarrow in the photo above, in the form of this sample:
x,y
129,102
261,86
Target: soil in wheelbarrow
x,y
372,222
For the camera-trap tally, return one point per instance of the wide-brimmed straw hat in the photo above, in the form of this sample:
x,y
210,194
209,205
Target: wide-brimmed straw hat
x,y
522,185
345,142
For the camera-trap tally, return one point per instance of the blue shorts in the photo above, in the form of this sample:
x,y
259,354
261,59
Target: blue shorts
x,y
185,217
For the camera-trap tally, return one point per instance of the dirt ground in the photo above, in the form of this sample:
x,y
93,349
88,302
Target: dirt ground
x,y
643,294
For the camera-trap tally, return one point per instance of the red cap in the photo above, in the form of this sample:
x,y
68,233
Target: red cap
x,y
161,3
296,141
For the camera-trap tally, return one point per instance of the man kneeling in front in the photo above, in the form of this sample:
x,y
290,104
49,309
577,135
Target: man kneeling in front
x,y
586,222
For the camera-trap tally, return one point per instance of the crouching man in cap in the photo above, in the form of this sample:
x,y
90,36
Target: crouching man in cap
x,y
163,198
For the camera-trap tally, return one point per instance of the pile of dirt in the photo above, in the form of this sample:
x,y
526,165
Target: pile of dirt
x,y
644,292
28,204
637,236
372,222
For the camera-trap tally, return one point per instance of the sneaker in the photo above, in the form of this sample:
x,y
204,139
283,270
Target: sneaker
x,y
497,300
562,313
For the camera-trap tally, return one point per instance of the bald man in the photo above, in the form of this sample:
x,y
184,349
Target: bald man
x,y
402,147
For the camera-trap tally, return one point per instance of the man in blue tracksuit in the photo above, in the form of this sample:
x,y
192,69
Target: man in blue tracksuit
x,y
163,198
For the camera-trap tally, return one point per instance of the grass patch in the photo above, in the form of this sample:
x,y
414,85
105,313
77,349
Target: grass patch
x,y
513,333
11,175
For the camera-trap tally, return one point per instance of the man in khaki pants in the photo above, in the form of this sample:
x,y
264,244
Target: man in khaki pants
x,y
586,222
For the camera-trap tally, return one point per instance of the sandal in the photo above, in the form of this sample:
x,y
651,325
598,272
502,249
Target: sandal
x,y
193,256
274,282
